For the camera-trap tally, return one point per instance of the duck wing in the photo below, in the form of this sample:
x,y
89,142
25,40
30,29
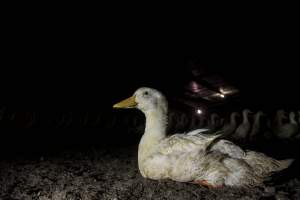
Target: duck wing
x,y
226,147
185,143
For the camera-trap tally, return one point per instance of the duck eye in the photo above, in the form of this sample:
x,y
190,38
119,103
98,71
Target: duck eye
x,y
146,93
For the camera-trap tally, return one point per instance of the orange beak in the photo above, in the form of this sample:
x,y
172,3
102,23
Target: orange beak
x,y
127,103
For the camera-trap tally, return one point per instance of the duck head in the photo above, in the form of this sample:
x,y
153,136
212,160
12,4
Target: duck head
x,y
234,115
260,113
145,99
247,112
281,114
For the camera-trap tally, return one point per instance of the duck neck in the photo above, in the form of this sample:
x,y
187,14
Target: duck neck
x,y
213,120
245,118
256,125
233,120
292,119
155,132
279,119
257,119
156,125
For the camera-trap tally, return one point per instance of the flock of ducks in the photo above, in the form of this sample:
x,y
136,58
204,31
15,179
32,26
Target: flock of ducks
x,y
257,126
196,156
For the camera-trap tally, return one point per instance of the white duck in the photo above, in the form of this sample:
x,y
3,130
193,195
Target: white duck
x,y
183,157
287,130
243,129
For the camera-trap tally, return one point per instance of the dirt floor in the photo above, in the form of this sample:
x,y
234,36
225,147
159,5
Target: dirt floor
x,y
112,174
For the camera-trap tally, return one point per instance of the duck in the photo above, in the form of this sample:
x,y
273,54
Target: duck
x,y
243,129
268,134
185,158
293,125
297,137
278,122
214,122
287,130
256,127
229,128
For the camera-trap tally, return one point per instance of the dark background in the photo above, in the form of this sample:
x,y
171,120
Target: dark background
x,y
74,65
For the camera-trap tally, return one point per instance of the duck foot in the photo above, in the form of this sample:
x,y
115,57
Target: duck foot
x,y
207,184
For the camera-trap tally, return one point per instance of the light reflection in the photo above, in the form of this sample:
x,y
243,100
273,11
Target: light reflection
x,y
199,111
194,87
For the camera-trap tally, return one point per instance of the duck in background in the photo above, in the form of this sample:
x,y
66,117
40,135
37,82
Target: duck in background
x,y
229,128
286,130
278,123
256,127
293,127
243,129
298,119
214,123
